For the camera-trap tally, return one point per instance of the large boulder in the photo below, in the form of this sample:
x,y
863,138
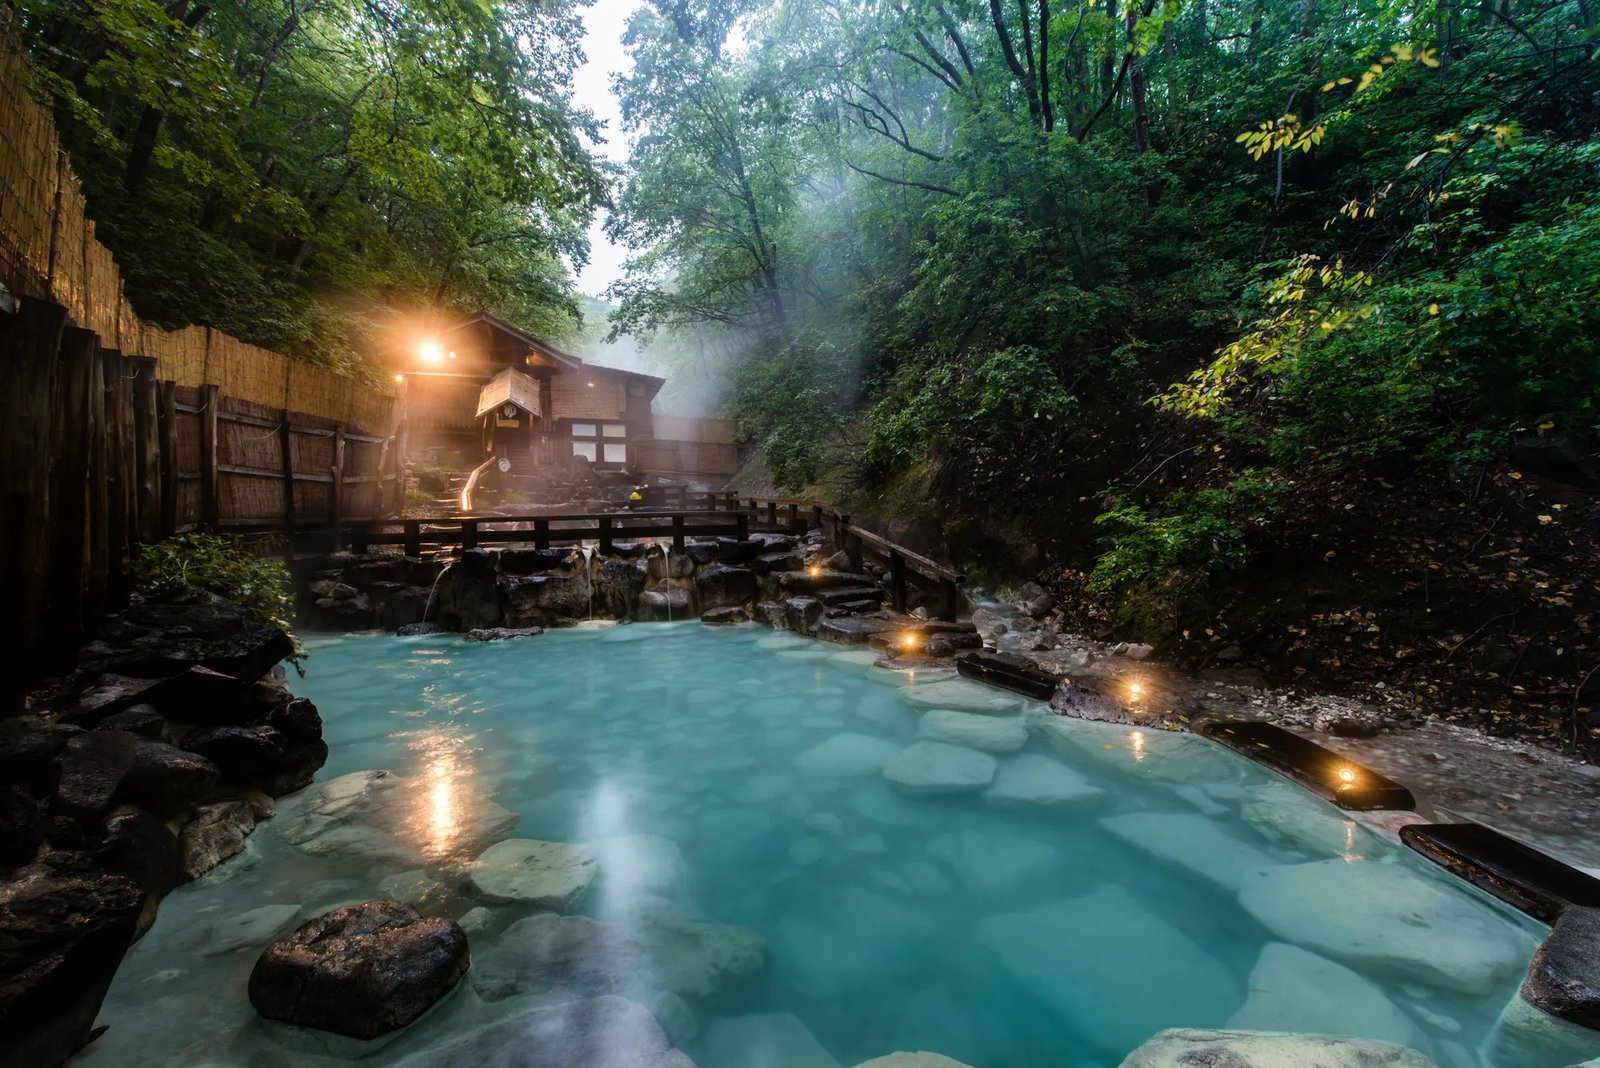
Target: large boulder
x,y
166,779
546,875
363,970
533,561
216,833
202,696
469,593
1186,1047
1564,978
243,754
22,825
140,848
544,599
64,926
726,587
664,603
27,747
92,769
617,586
247,655
298,720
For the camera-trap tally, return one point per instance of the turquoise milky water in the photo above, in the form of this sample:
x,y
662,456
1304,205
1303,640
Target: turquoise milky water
x,y
1113,881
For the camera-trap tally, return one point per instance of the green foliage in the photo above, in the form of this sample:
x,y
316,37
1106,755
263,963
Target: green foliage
x,y
189,566
790,404
1158,567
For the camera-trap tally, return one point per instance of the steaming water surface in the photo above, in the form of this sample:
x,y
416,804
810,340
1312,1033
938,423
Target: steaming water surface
x,y
1123,881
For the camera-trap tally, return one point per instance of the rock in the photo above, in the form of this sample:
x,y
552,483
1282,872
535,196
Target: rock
x,y
1095,702
362,970
476,920
1564,978
417,630
764,1040
243,754
938,768
547,954
726,587
963,695
1201,846
139,719
1031,780
210,698
545,599
664,603
634,864
1385,916
1523,1034
546,875
400,606
216,833
618,584
1184,1047
603,1032
675,1016
298,721
725,616
993,861
920,1059
533,561
800,614
1035,600
1044,950
1287,815
64,927
249,929
694,956
500,634
847,754
92,769
987,733
27,745
107,695
166,779
297,769
414,887
1289,987
851,630
22,825
247,655
468,594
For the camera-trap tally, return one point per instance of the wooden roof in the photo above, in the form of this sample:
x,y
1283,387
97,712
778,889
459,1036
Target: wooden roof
x,y
562,361
510,385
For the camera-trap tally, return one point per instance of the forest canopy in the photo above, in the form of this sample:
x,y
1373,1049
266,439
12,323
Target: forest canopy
x,y
292,170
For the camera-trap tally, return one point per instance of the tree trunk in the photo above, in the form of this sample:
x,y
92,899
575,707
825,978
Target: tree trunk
x,y
1044,66
1141,117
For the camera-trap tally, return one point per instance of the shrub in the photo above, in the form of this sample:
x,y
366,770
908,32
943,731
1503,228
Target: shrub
x,y
189,566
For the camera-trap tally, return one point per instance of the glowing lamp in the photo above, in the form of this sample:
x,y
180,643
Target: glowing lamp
x,y
1347,776
399,378
430,351
815,570
589,384
1135,691
909,641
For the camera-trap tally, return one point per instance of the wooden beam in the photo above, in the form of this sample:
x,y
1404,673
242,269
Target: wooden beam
x,y
97,528
69,502
336,508
210,504
286,462
123,517
167,436
147,449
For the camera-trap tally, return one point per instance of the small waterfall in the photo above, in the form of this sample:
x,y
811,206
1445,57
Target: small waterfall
x,y
588,573
666,577
435,589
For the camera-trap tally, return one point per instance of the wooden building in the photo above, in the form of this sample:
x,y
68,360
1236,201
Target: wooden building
x,y
484,388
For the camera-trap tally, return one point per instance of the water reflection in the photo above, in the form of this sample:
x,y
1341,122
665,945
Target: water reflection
x,y
447,790
1136,744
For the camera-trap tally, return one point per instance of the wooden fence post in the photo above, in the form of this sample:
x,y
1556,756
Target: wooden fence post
x,y
338,488
541,533
897,581
741,524
605,535
30,343
677,533
98,471
210,506
469,534
147,450
286,461
122,518
413,533
167,432
69,501
949,600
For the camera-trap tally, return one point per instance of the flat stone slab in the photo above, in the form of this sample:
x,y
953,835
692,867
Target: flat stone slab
x,y
847,754
1185,1047
1564,978
594,1031
938,768
1201,846
1290,987
1031,780
546,875
1044,950
919,1059
963,695
1384,916
993,861
1534,882
764,1040
991,734
1322,771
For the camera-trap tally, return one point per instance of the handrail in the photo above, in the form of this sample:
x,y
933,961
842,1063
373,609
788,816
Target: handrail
x,y
472,483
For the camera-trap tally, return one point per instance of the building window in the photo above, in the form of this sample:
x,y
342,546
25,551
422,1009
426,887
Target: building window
x,y
616,430
585,449
583,430
615,454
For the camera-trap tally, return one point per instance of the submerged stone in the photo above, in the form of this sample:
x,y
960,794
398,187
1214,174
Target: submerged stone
x,y
991,860
1193,1047
938,768
764,1040
988,733
1032,780
847,754
919,1059
1291,987
1045,950
1201,846
1385,916
546,875
607,1032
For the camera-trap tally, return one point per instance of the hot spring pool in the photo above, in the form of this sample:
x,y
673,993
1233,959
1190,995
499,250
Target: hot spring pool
x,y
1109,883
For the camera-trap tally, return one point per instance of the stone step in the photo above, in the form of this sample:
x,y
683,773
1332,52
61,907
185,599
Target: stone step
x,y
806,582
846,594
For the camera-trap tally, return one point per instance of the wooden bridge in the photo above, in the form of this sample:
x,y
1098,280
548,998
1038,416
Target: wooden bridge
x,y
677,514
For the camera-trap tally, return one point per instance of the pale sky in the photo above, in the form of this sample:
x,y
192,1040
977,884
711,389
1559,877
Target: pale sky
x,y
602,44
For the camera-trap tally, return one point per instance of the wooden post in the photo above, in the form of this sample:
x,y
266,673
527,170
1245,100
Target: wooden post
x,y
853,549
30,343
541,533
413,529
897,581
98,470
147,449
677,533
122,519
338,488
286,465
841,524
469,534
359,537
69,501
742,524
949,600
794,519
772,513
605,535
210,506
167,452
